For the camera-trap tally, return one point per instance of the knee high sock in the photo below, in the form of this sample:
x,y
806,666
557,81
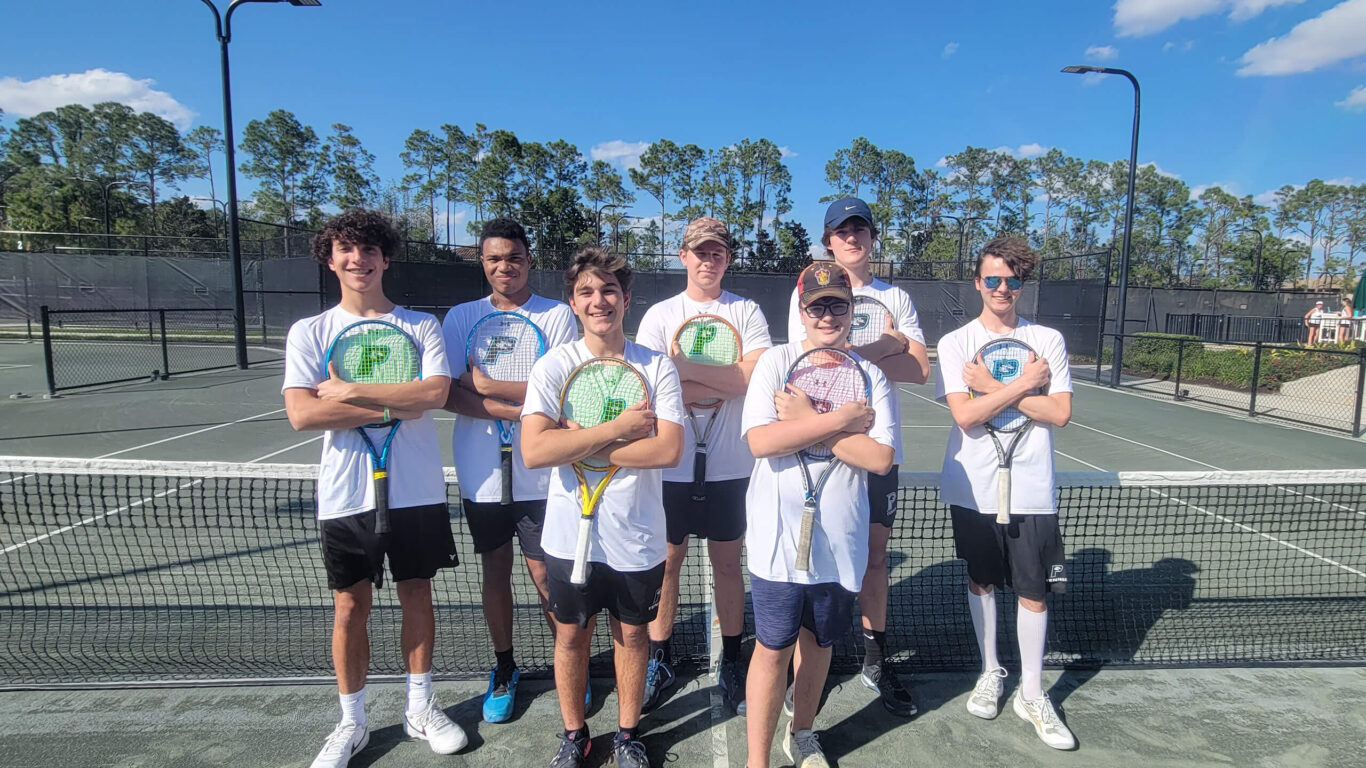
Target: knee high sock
x,y
1032,630
983,610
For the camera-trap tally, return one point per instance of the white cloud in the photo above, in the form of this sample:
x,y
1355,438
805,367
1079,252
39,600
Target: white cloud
x,y
625,154
1136,18
1182,47
1023,151
1355,101
1341,181
817,251
27,98
1102,53
1092,79
1160,170
1230,187
942,162
1269,197
785,152
950,50
1337,34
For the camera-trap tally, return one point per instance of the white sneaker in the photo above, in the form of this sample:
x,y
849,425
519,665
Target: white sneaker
x,y
985,701
1046,722
808,752
342,744
432,726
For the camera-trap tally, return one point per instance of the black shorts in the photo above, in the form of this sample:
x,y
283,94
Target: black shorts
x,y
632,597
882,496
492,525
720,518
782,610
1026,555
419,544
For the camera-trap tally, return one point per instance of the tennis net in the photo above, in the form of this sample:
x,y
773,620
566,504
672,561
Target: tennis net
x,y
127,572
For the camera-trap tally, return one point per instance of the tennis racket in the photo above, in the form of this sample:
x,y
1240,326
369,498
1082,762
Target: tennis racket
x,y
868,322
504,346
1005,359
376,352
597,391
709,340
830,377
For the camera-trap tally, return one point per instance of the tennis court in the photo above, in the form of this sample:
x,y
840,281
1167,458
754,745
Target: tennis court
x,y
1206,572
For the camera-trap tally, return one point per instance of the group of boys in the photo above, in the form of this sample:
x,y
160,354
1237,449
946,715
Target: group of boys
x,y
650,509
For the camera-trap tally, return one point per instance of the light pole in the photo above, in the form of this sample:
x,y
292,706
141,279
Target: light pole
x,y
217,204
598,226
104,199
223,29
961,223
1118,362
1257,267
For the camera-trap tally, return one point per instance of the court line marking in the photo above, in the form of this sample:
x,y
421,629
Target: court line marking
x,y
14,366
1202,510
140,502
191,434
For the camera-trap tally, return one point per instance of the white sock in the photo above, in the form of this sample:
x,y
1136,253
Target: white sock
x,y
353,707
983,610
1032,630
419,692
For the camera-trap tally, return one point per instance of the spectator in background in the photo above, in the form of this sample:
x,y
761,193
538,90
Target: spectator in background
x,y
1345,321
1311,321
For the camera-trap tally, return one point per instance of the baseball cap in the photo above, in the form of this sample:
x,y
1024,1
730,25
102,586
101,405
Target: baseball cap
x,y
846,208
704,229
1320,301
822,279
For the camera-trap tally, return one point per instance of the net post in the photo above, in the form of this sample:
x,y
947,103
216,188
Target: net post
x,y
1361,391
165,353
1256,376
1180,361
47,352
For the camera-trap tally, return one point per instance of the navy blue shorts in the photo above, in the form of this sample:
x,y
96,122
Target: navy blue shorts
x,y
782,610
882,496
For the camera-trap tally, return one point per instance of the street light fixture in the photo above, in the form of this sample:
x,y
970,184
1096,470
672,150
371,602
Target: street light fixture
x,y
216,204
598,226
223,30
1118,362
104,198
962,222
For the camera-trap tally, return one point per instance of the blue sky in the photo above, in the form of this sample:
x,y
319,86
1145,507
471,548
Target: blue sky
x,y
1248,94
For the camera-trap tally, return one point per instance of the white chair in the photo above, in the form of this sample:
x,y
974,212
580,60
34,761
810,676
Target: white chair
x,y
1328,327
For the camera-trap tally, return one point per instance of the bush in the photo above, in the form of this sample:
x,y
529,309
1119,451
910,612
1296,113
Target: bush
x,y
1155,354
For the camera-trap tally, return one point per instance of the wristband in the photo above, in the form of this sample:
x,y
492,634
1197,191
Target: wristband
x,y
386,414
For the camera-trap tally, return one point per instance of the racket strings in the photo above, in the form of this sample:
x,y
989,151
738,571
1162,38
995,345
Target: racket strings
x,y
1006,362
708,341
868,320
377,356
829,379
506,350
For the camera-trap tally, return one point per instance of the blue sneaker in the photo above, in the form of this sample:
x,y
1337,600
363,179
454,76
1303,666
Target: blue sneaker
x,y
658,677
588,696
499,698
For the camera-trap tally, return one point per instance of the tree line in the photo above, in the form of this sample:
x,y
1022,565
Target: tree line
x,y
58,168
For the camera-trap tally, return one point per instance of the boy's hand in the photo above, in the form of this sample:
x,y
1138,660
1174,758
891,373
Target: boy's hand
x,y
889,331
856,417
334,389
978,378
635,422
792,403
1036,373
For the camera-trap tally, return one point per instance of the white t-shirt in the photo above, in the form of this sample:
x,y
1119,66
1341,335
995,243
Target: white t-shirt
x,y
628,530
474,441
728,458
344,483
898,303
839,544
970,462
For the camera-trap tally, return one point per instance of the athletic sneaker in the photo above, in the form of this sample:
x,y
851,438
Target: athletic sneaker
x,y
629,753
985,701
572,753
884,679
432,726
731,679
1046,722
341,745
808,752
658,677
788,706
498,699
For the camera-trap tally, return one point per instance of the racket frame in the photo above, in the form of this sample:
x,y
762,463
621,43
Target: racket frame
x,y
703,436
589,499
1005,453
811,490
379,457
506,430
853,311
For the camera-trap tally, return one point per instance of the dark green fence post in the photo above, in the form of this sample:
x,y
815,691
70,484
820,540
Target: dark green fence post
x,y
165,353
1356,417
47,353
1256,377
1180,361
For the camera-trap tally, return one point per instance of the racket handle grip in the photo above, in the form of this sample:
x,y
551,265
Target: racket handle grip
x,y
579,575
381,502
1003,497
699,475
803,559
505,458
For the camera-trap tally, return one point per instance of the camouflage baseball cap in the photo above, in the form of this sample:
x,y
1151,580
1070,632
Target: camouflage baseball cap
x,y
703,229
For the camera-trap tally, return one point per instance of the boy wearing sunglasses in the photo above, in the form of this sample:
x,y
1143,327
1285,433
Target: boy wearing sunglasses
x,y
1027,553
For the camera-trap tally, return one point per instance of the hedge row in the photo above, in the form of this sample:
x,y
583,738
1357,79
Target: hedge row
x,y
1155,354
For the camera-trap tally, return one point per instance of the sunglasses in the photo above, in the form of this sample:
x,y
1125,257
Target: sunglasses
x,y
992,282
834,308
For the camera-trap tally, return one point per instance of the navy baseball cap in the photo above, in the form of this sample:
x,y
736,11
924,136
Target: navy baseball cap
x,y
845,208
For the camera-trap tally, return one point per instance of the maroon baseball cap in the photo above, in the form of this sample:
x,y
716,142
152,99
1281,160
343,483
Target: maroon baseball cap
x,y
821,279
